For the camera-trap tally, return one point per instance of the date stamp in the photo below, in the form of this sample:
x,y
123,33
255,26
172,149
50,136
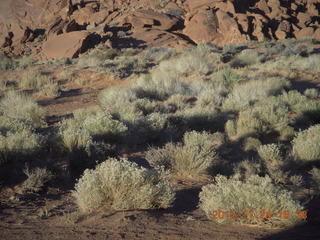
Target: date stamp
x,y
262,214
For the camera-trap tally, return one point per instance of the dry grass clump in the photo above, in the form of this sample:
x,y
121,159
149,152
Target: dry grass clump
x,y
306,145
245,58
37,179
194,158
251,144
87,125
42,83
311,93
122,185
249,202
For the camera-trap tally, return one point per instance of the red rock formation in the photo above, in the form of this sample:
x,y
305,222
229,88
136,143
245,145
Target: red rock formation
x,y
34,25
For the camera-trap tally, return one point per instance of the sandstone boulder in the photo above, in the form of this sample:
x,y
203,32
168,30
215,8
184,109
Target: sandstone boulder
x,y
202,26
144,19
68,45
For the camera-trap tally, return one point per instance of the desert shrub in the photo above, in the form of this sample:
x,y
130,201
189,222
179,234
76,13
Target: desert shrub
x,y
37,179
271,155
226,77
249,124
122,185
247,202
245,169
231,128
6,63
88,125
201,118
251,144
26,61
287,133
311,93
161,85
159,54
16,144
306,145
296,180
274,162
245,58
195,157
310,63
125,66
244,95
315,176
23,109
43,84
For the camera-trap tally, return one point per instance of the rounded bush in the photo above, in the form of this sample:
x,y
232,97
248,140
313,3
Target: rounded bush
x,y
249,202
122,185
306,145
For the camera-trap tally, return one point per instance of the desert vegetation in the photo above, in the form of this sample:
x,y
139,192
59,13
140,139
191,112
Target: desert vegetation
x,y
231,120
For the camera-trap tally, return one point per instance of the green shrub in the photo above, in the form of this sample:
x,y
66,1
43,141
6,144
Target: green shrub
x,y
87,125
122,185
246,202
306,145
195,157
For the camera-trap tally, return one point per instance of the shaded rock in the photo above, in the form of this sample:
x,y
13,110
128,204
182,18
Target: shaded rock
x,y
68,45
142,19
159,38
304,19
283,30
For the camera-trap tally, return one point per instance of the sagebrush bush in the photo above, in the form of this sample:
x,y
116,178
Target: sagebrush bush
x,y
274,162
122,185
23,109
306,145
244,95
87,125
251,144
248,200
271,155
315,176
6,63
15,144
245,169
245,58
37,179
195,157
311,93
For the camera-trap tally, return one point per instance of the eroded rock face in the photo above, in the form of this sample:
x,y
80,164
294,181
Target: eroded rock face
x,y
41,26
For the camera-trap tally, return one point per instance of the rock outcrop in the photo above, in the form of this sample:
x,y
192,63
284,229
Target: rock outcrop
x,y
61,28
